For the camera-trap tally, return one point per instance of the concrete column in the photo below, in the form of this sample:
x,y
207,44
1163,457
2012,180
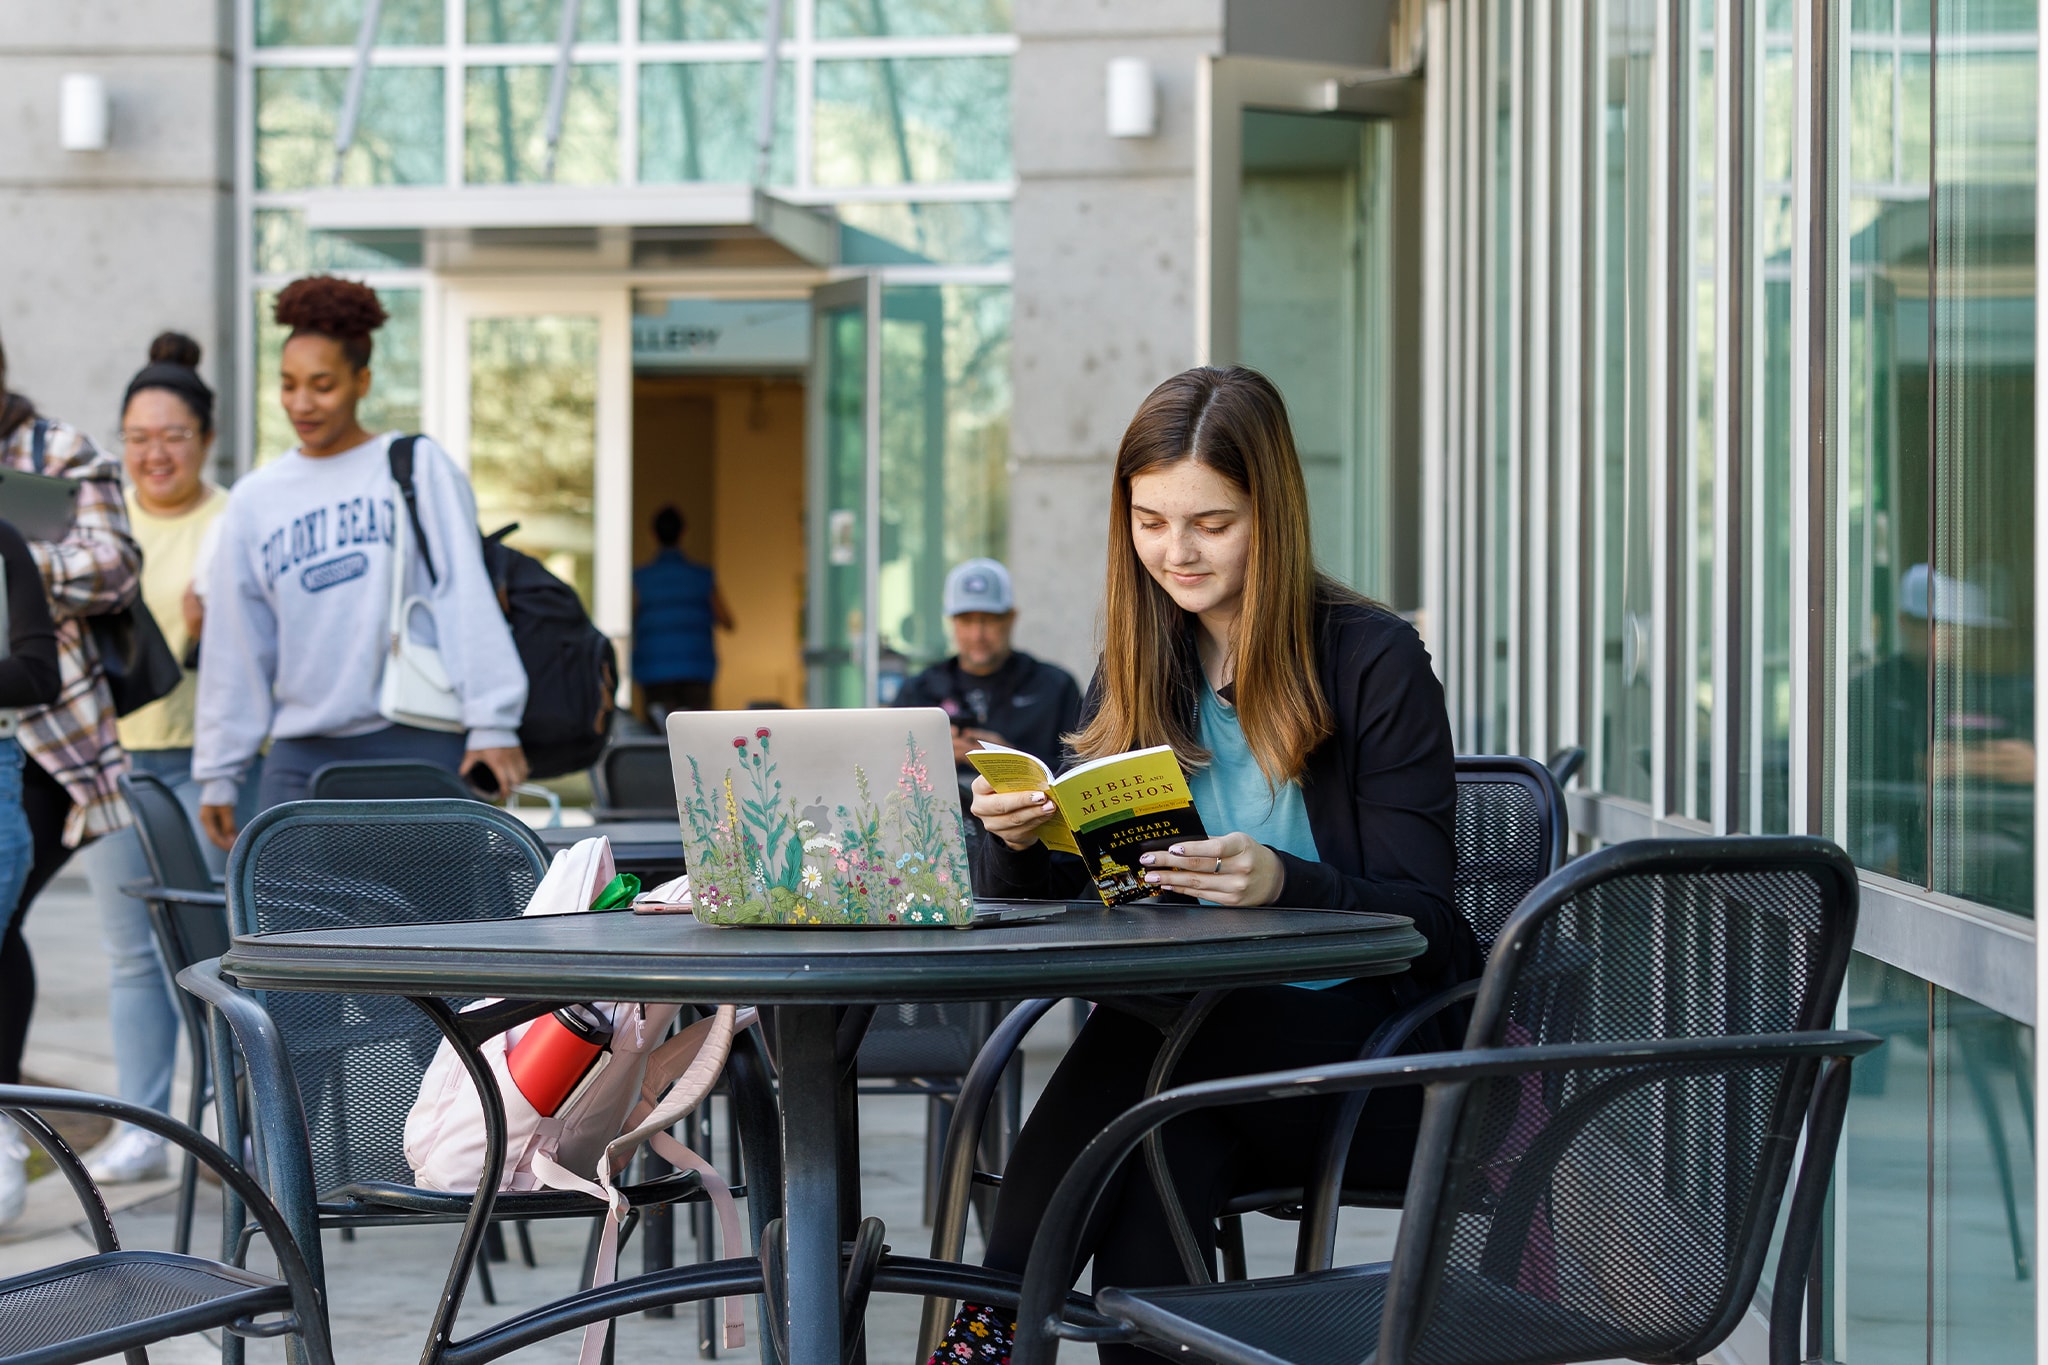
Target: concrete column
x,y
1105,271
99,251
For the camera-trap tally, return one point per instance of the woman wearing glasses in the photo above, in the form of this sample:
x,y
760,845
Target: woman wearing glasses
x,y
173,509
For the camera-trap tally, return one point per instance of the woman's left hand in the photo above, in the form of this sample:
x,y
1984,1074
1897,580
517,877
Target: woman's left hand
x,y
1231,869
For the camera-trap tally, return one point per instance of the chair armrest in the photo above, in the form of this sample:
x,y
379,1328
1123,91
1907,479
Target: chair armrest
x,y
1056,1248
277,1117
307,1307
146,890
963,1140
104,1237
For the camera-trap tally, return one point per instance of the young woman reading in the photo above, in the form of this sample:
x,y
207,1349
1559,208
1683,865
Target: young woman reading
x,y
1319,756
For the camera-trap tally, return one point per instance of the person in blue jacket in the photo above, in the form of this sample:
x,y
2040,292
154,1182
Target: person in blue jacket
x,y
676,604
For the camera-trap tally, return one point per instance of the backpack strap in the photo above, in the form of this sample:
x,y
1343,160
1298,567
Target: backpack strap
x,y
400,456
38,443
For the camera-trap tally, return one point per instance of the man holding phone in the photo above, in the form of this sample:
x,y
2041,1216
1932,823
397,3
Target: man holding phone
x,y
994,693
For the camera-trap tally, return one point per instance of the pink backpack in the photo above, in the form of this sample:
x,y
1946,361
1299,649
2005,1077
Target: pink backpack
x,y
649,1083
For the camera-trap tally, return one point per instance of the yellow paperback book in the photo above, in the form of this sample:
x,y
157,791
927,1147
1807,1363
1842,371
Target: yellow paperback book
x,y
1111,810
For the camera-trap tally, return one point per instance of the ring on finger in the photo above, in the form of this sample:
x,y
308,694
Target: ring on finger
x,y
1219,867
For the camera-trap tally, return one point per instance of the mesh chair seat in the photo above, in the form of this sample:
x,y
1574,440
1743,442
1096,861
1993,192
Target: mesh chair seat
x,y
1334,1316
94,1307
934,1042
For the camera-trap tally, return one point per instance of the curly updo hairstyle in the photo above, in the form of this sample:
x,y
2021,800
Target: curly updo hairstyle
x,y
341,310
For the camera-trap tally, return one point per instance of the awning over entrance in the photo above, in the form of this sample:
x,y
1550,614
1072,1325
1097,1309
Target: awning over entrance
x,y
675,225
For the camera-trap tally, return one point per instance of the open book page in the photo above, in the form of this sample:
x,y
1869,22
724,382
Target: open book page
x,y
1013,770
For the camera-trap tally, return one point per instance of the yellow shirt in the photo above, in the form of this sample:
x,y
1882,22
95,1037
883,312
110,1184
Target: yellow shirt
x,y
170,553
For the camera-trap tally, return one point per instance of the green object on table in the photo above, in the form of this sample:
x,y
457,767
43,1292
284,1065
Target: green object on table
x,y
618,893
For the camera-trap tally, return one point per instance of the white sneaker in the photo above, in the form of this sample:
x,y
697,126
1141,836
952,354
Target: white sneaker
x,y
126,1157
13,1172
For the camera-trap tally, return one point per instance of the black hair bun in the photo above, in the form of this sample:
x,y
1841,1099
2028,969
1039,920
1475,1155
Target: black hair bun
x,y
330,307
174,348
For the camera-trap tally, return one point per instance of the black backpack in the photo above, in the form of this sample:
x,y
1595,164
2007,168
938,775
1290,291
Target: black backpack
x,y
572,669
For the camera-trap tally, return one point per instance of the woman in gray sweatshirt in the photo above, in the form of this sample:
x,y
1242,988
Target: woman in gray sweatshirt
x,y
298,612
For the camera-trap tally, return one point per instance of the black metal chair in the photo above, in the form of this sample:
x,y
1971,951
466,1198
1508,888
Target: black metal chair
x,y
188,917
632,780
116,1301
929,1049
1564,765
1600,1169
332,1077
386,780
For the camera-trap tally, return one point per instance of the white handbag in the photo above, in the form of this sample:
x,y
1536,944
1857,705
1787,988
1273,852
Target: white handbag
x,y
416,689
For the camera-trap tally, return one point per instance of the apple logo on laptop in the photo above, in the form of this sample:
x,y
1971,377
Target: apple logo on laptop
x,y
820,817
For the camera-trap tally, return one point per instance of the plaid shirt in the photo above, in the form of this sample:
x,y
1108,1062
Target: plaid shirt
x,y
94,570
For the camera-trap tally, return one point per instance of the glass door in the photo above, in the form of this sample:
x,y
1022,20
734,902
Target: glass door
x,y
536,402
844,431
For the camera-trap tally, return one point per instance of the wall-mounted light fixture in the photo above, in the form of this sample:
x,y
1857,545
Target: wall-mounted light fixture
x,y
1131,108
82,113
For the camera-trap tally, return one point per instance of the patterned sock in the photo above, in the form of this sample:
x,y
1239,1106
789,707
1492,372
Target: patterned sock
x,y
979,1336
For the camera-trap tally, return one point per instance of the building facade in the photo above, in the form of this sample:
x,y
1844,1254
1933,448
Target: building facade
x,y
1671,361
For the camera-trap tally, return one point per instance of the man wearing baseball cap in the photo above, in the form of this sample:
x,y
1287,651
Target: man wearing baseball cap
x,y
994,693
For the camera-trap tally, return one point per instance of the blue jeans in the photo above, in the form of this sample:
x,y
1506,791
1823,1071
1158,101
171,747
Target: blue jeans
x,y
289,766
142,1006
17,847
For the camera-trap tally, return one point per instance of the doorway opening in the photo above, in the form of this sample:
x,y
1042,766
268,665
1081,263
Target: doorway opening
x,y
727,451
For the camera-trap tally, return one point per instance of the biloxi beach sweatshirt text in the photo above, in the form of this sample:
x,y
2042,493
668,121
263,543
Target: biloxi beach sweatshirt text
x,y
298,614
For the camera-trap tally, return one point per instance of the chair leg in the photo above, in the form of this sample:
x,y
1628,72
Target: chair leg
x,y
483,1278
494,1243
525,1244
188,1174
1230,1243
938,1118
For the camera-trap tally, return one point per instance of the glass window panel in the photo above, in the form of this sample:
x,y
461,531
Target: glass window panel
x,y
1916,117
538,21
1871,16
914,234
533,436
283,246
1765,770
1881,1179
698,121
1777,128
1621,492
945,452
839,474
1981,587
505,115
1983,1176
1307,280
334,23
1778,16
394,401
1915,16
904,120
397,139
1696,789
903,18
1987,17
1870,116
702,21
1887,476
1500,574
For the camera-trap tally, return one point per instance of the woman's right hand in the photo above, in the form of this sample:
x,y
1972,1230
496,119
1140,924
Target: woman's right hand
x,y
1013,817
219,824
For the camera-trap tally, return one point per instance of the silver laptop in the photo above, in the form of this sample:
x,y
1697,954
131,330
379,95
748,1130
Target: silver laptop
x,y
808,818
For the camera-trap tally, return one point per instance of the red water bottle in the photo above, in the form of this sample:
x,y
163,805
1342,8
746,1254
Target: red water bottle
x,y
556,1052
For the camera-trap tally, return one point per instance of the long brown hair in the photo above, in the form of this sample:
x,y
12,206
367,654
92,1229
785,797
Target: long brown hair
x,y
1235,422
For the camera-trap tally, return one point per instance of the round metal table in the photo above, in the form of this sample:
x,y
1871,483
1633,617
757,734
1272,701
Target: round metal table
x,y
810,974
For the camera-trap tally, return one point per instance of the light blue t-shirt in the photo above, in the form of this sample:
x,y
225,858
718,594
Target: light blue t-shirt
x,y
1232,794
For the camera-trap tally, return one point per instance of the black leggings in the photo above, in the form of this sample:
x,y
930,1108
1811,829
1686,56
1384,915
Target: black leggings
x,y
46,804
1214,1154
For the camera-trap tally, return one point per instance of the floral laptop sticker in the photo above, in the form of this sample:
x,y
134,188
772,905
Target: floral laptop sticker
x,y
789,819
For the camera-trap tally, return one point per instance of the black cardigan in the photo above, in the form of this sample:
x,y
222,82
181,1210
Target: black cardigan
x,y
1381,794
